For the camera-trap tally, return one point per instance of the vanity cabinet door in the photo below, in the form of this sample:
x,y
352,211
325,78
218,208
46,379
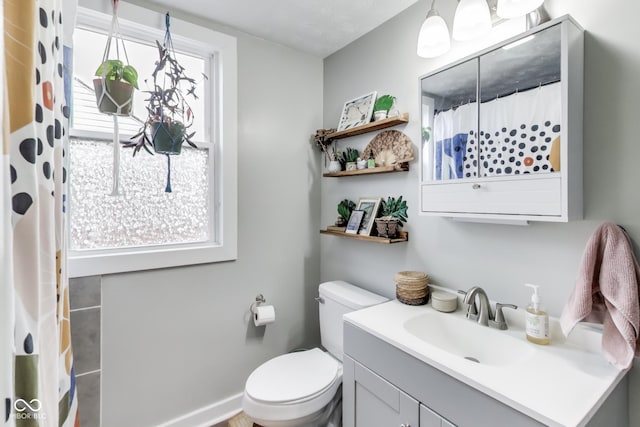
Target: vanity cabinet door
x,y
370,400
428,418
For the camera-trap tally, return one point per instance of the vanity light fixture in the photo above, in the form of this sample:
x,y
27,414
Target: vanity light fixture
x,y
514,8
433,39
472,19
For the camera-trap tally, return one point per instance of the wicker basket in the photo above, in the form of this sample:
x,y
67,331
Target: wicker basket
x,y
412,287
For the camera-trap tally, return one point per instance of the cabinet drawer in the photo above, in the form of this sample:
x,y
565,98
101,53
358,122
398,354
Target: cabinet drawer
x,y
540,196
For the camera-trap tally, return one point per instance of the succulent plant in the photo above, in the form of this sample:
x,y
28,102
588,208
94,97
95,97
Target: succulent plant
x,y
351,155
395,208
345,208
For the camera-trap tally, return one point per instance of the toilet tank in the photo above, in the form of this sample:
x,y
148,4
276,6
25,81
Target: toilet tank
x,y
336,299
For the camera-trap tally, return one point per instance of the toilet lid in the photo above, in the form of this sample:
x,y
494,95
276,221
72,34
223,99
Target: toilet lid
x,y
292,376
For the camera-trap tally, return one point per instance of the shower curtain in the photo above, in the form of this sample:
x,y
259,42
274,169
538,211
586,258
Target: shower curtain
x,y
37,382
452,129
519,134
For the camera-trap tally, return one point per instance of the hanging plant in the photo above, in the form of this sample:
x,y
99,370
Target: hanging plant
x,y
169,114
116,82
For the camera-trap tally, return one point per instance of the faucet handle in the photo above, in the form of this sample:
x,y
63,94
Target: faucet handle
x,y
500,322
472,310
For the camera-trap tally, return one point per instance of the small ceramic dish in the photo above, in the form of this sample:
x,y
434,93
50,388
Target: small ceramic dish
x,y
444,301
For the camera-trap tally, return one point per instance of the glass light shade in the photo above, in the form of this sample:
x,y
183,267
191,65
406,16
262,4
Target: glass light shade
x,y
433,39
514,8
472,19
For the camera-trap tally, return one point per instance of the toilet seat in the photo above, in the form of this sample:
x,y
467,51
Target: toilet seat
x,y
293,377
292,387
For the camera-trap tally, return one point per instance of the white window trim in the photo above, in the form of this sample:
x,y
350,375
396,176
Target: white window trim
x,y
222,149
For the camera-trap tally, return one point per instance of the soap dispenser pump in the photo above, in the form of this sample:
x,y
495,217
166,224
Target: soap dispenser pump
x,y
537,322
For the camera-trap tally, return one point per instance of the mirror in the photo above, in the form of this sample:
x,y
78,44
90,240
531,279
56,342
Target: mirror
x,y
513,130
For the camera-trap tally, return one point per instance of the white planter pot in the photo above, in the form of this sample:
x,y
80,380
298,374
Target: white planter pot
x,y
379,115
334,166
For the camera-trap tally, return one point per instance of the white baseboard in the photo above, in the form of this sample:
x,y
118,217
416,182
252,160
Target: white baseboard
x,y
209,415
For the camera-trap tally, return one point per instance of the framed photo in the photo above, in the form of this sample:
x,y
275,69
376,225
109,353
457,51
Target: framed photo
x,y
370,206
357,111
354,222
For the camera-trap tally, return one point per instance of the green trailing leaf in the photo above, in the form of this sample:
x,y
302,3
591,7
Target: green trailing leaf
x,y
345,208
384,103
130,75
395,208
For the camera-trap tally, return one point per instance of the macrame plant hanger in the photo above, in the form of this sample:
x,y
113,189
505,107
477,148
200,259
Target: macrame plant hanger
x,y
168,45
122,107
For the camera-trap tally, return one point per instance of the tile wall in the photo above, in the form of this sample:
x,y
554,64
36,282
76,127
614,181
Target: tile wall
x,y
86,301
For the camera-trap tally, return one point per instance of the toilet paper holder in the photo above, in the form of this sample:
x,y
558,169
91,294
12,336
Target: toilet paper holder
x,y
259,300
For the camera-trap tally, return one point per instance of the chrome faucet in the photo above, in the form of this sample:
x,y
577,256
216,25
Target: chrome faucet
x,y
483,305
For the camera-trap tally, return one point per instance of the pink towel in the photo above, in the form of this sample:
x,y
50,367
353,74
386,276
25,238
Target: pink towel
x,y
607,292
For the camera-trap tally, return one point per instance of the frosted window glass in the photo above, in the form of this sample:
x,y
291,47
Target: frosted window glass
x,y
145,214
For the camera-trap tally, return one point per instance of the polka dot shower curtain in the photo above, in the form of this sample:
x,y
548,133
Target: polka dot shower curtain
x,y
37,382
518,134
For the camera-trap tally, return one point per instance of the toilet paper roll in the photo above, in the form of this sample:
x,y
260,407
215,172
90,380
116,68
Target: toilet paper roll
x,y
263,315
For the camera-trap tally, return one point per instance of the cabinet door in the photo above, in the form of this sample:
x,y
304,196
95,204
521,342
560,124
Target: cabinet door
x,y
428,418
371,401
449,121
520,109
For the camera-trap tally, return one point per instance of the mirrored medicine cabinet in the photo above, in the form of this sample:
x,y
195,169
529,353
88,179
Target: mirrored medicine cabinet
x,y
502,130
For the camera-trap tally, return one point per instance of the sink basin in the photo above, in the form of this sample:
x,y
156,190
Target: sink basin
x,y
467,339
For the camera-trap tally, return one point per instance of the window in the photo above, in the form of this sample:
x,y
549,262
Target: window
x,y
144,227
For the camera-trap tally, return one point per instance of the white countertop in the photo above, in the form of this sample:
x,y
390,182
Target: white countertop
x,y
561,384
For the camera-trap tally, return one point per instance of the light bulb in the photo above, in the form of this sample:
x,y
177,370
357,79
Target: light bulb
x,y
433,39
472,19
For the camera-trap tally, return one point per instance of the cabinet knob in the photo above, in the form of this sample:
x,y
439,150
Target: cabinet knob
x,y
476,186
405,425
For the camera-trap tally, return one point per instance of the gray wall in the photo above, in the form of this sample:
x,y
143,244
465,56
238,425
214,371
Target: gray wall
x,y
179,339
499,258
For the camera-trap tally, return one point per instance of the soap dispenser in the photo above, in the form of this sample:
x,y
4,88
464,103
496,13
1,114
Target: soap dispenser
x,y
537,322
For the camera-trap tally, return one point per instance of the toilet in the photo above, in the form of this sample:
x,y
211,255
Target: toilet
x,y
303,389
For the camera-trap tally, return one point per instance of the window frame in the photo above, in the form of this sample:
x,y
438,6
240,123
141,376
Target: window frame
x,y
220,140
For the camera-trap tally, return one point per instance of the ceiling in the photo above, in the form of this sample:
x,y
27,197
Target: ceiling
x,y
319,27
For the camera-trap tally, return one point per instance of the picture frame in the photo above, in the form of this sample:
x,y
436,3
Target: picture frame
x,y
357,111
370,206
355,219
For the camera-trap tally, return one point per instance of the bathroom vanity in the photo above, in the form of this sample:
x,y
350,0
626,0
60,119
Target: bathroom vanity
x,y
412,366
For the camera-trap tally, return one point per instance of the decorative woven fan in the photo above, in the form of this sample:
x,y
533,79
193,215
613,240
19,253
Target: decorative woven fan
x,y
390,147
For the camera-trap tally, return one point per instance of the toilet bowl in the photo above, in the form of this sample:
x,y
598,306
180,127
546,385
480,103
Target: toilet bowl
x,y
304,389
294,389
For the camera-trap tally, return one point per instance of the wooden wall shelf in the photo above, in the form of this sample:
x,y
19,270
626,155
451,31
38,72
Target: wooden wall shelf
x,y
369,127
403,167
403,236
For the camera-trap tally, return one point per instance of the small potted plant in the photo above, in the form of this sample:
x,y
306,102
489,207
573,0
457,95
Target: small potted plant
x,y
382,106
351,158
114,87
345,208
169,114
394,215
